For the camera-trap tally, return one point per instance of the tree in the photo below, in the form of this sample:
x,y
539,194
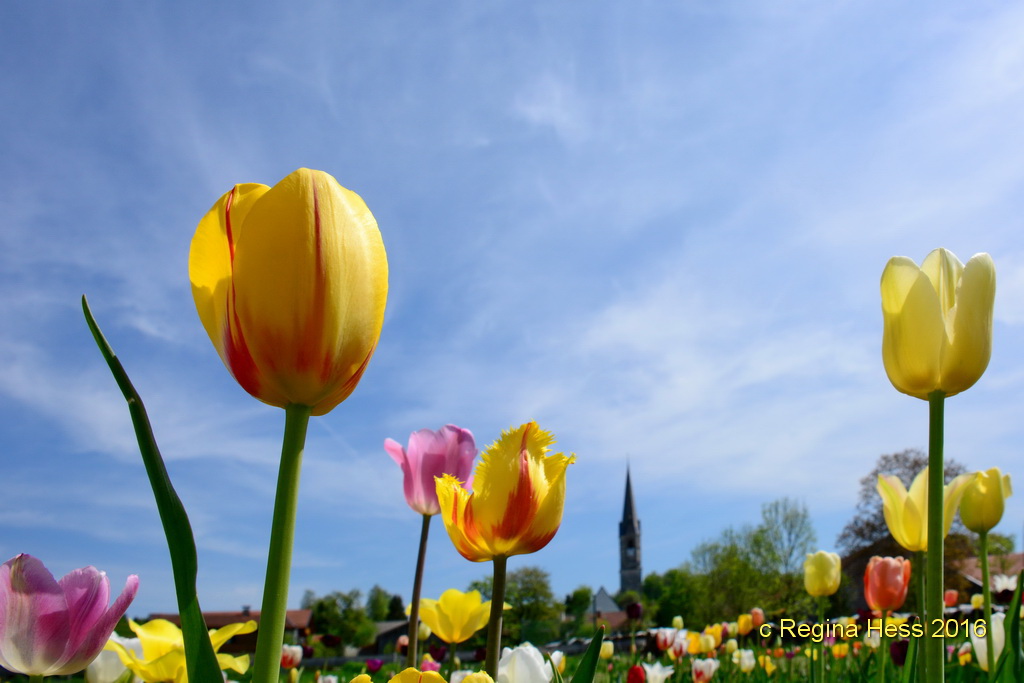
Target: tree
x,y
867,534
341,615
377,603
753,566
396,609
534,614
577,604
669,595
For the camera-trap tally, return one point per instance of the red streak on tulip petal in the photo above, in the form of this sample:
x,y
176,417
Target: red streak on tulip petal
x,y
227,224
239,359
522,507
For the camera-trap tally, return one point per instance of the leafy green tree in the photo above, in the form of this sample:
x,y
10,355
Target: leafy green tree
x,y
342,616
396,608
753,566
377,603
577,605
670,594
534,613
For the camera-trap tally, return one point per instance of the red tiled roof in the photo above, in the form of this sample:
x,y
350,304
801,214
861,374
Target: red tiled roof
x,y
294,618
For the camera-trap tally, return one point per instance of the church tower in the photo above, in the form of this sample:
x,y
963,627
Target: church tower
x,y
630,574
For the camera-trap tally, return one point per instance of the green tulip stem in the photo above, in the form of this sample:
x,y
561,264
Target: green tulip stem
x,y
987,594
497,610
934,643
267,664
819,666
917,573
417,584
883,648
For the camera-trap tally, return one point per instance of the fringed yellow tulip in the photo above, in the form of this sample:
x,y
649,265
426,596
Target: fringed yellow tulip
x,y
822,572
938,322
984,500
290,283
163,650
906,512
456,616
516,504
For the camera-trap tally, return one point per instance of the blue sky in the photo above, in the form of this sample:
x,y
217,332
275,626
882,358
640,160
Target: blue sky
x,y
657,229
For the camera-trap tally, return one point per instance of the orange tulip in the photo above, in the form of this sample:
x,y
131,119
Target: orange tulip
x,y
885,583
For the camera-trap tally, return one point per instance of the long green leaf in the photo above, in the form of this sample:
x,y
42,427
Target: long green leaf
x,y
201,662
910,664
588,663
1010,666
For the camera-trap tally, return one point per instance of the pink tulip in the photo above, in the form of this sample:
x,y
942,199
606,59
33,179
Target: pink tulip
x,y
51,628
430,454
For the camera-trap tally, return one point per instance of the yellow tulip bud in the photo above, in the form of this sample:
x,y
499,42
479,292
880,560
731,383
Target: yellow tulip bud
x,y
977,601
937,322
983,501
677,622
822,573
607,649
731,645
290,283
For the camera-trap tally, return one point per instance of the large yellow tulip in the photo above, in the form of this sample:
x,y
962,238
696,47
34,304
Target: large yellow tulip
x,y
163,650
822,572
290,282
456,616
984,500
938,322
906,512
518,495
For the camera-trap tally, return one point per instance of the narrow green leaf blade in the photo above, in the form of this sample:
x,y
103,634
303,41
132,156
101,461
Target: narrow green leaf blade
x,y
201,662
588,663
1010,667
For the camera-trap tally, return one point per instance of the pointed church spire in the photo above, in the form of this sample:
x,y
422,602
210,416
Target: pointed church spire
x,y
628,509
630,573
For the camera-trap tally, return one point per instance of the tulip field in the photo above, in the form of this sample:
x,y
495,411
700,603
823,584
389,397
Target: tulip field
x,y
290,283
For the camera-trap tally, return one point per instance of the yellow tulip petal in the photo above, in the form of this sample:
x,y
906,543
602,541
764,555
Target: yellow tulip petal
x,y
912,322
412,675
943,269
158,637
915,512
210,255
239,663
894,498
328,313
951,496
222,635
970,347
